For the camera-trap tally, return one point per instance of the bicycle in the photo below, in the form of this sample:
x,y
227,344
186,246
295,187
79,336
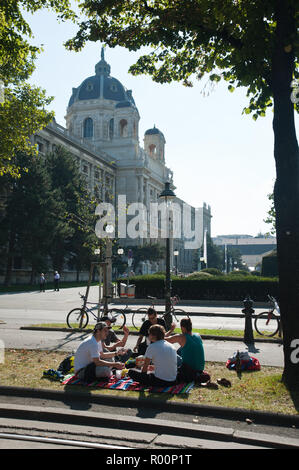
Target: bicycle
x,y
138,319
269,323
79,317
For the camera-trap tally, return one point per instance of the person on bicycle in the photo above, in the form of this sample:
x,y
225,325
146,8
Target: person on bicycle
x,y
153,319
191,351
90,356
116,342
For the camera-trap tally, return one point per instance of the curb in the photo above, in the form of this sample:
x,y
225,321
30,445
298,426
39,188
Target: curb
x,y
157,426
239,414
135,333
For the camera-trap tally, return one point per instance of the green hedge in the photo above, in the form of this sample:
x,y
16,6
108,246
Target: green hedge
x,y
234,288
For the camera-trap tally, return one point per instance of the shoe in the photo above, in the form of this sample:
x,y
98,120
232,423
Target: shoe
x,y
224,382
211,385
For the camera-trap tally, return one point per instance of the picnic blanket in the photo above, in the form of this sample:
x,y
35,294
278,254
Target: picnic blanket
x,y
128,384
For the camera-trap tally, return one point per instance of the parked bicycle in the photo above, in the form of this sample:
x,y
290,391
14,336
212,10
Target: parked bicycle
x,y
140,315
269,323
79,317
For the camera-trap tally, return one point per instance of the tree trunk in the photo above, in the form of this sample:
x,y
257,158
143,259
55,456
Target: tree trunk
x,y
286,191
10,256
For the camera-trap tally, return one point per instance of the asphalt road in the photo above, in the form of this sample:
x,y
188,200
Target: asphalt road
x,y
21,309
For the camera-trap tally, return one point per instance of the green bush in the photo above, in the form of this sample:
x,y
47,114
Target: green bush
x,y
230,287
213,271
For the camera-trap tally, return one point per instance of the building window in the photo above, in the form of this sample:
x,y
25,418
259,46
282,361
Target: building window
x,y
88,128
123,128
85,169
152,149
89,87
40,147
111,129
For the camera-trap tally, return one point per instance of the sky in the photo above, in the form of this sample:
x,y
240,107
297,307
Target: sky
x,y
218,155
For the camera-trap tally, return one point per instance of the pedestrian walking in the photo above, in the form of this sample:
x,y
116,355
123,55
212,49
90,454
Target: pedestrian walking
x,y
42,282
56,281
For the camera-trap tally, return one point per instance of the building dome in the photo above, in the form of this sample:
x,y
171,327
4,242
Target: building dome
x,y
102,85
153,131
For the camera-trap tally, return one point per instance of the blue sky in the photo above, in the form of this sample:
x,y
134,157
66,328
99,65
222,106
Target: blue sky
x,y
218,155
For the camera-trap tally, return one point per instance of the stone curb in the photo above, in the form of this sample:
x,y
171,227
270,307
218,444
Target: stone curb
x,y
239,414
135,333
158,426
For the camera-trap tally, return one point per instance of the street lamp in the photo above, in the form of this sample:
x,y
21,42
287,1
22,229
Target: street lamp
x,y
167,195
120,251
176,254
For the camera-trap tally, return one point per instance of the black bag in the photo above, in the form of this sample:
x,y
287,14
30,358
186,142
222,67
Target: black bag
x,y
66,365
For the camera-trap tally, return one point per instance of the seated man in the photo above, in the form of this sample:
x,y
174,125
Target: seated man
x,y
117,343
191,351
164,358
90,356
140,347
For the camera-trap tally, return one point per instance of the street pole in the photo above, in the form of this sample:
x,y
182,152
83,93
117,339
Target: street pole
x,y
167,195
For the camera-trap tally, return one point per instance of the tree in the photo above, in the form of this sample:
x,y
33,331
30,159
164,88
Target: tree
x,y
73,237
29,216
248,43
22,107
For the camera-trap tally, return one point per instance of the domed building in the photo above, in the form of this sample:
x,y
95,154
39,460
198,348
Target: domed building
x,y
102,132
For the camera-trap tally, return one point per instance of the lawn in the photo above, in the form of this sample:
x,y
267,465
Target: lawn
x,y
260,390
203,332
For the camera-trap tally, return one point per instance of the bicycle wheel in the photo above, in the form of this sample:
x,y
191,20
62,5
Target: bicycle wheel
x,y
266,324
139,317
119,316
178,314
77,318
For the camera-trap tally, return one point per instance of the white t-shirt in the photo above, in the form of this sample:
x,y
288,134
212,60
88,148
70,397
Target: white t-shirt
x,y
164,358
88,349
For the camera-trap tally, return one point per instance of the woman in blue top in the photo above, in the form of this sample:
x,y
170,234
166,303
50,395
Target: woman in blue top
x,y
191,348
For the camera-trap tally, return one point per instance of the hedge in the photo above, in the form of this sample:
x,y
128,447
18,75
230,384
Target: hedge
x,y
216,288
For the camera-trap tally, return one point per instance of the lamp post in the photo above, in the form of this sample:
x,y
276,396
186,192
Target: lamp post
x,y
167,195
176,254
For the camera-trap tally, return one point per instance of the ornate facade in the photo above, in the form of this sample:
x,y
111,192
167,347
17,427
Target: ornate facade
x,y
102,132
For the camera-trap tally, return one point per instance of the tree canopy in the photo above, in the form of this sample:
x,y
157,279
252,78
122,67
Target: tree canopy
x,y
22,107
229,39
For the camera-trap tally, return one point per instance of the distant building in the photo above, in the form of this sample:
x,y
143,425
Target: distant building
x,y
252,249
102,134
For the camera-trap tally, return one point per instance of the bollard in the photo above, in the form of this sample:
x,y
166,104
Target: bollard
x,y
248,311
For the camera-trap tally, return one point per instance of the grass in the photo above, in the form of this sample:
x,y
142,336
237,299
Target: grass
x,y
203,332
260,390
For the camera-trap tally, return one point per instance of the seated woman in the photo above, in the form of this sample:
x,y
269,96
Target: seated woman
x,y
191,351
164,358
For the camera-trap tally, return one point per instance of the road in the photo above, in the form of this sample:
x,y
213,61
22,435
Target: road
x,y
31,308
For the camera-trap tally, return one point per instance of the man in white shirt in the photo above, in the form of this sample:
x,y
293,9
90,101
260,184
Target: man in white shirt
x,y
91,360
164,358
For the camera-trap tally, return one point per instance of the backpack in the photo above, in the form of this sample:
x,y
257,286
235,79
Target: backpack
x,y
66,365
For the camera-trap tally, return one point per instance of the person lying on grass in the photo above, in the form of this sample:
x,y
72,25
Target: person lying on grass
x,y
90,352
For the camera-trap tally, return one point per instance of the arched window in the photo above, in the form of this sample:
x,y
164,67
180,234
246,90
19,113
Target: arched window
x,y
152,149
123,128
111,129
88,128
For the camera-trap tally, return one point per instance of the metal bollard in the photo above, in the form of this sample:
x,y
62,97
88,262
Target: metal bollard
x,y
248,311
